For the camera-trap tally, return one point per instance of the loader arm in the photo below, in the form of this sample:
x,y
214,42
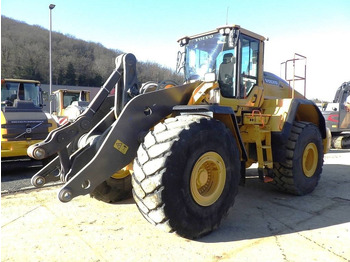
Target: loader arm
x,y
63,139
93,163
120,145
58,139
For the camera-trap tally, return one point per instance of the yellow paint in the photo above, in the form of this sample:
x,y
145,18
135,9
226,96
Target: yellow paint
x,y
122,173
208,178
16,148
310,159
121,147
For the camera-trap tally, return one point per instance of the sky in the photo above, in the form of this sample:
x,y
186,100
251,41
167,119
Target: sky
x,y
317,29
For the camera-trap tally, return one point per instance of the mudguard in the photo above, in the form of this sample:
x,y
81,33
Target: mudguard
x,y
300,110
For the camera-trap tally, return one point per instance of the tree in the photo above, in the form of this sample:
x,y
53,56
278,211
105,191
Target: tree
x,y
70,75
60,78
25,54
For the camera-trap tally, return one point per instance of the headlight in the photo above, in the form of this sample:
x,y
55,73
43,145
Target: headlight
x,y
183,41
225,30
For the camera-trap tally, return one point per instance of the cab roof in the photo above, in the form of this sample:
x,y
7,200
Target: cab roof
x,y
19,80
242,30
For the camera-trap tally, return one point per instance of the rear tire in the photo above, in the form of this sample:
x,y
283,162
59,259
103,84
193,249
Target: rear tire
x,y
300,172
186,175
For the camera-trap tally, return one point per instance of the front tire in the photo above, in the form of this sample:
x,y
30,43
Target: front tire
x,y
300,172
113,190
186,175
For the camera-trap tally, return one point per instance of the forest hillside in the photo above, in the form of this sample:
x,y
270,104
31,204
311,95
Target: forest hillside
x,y
25,55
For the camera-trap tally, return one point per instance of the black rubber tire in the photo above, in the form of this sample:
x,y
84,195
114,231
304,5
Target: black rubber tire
x,y
290,176
162,171
113,190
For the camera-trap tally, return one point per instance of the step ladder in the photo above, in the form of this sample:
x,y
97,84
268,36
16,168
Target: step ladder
x,y
262,134
264,153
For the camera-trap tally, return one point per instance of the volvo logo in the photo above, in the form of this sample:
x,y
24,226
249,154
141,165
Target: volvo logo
x,y
204,38
29,129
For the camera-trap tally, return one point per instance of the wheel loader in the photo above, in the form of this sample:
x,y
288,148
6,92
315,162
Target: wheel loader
x,y
187,147
69,104
23,122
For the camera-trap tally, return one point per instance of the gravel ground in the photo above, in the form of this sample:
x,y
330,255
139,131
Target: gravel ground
x,y
263,225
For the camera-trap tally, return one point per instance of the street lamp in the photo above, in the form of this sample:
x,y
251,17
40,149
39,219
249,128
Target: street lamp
x,y
51,6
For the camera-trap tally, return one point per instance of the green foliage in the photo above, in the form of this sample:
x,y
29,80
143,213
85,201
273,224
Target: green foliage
x,y
70,75
25,54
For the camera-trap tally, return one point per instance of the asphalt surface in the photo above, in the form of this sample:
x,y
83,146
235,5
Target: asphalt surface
x,y
18,177
264,225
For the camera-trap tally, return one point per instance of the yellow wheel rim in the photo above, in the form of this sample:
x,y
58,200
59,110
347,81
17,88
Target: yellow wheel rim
x,y
208,179
123,172
310,159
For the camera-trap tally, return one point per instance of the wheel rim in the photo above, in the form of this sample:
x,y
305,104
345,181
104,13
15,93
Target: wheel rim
x,y
123,172
310,159
208,179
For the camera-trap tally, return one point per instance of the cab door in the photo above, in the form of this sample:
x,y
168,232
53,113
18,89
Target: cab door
x,y
248,69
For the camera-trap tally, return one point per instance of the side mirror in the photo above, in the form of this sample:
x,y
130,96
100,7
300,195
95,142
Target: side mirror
x,y
180,61
45,96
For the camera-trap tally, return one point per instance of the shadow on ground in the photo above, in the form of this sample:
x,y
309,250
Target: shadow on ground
x,y
261,211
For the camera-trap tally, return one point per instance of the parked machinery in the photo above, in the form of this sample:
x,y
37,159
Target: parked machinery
x,y
188,146
337,116
69,104
23,122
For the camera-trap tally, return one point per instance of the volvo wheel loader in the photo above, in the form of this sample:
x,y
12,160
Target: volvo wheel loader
x,y
68,104
187,147
23,121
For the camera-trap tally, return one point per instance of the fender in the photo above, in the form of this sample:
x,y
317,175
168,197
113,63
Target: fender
x,y
223,113
300,110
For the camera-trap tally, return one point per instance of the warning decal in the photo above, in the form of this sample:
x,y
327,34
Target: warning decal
x,y
121,147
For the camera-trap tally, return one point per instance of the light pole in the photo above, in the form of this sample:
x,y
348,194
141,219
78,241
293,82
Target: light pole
x,y
51,6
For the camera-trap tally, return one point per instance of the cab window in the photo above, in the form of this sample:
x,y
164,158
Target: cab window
x,y
226,68
249,64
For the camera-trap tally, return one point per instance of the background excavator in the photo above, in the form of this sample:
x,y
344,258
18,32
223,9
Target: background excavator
x,y
186,147
337,116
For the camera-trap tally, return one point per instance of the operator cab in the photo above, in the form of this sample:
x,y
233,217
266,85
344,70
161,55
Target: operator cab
x,y
18,90
230,53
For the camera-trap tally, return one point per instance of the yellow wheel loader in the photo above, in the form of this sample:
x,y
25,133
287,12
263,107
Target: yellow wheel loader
x,y
23,121
187,147
69,104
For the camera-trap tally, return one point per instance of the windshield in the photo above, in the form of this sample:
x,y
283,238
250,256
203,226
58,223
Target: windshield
x,y
22,91
69,98
205,54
